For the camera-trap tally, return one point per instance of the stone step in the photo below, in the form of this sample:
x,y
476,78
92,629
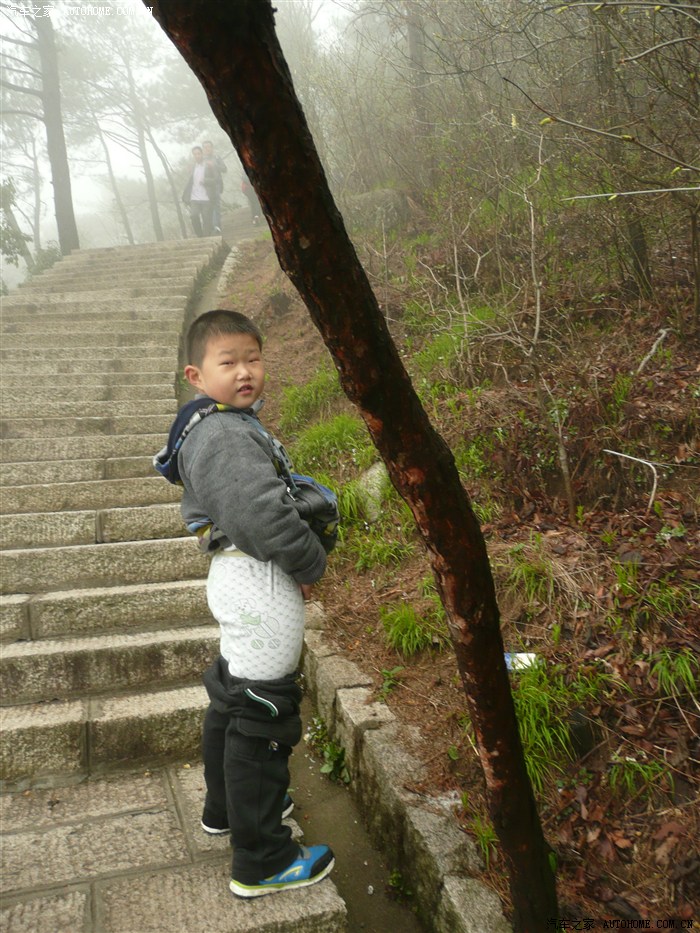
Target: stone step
x,y
84,315
51,406
94,611
97,325
113,266
97,494
37,570
126,854
91,526
73,283
209,246
154,337
63,278
18,306
80,427
80,448
91,372
125,268
75,471
87,359
93,388
36,671
73,738
128,291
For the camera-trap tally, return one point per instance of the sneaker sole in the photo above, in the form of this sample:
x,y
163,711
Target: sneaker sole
x,y
247,891
210,831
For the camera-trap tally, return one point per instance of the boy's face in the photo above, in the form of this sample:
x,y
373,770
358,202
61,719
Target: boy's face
x,y
232,371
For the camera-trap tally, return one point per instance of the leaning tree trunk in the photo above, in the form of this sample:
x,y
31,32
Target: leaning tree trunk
x,y
113,181
237,58
55,139
171,182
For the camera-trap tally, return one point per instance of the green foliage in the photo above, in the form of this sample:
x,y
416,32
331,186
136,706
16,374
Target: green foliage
x,y
543,700
302,404
390,679
472,457
332,753
349,505
331,444
442,355
671,532
635,604
529,573
408,632
620,391
676,672
13,243
45,258
374,549
399,886
628,776
486,838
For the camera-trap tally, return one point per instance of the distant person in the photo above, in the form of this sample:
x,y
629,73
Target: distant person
x,y
252,199
219,165
200,192
265,558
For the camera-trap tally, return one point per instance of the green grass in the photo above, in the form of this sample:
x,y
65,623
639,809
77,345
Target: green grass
x,y
543,701
331,445
309,402
629,777
408,632
530,574
374,549
676,672
332,753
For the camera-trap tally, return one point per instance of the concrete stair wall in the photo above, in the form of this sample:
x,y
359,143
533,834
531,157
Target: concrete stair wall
x,y
104,625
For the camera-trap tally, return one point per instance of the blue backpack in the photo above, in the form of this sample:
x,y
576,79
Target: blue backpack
x,y
316,504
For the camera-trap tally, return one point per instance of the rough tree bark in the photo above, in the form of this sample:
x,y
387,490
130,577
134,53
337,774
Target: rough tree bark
x,y
237,58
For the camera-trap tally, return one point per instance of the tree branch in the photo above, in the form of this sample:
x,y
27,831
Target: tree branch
x,y
592,129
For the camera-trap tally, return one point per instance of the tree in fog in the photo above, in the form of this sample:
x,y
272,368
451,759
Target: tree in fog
x,y
30,82
131,94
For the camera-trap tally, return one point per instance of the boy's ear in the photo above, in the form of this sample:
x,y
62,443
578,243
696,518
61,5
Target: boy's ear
x,y
193,376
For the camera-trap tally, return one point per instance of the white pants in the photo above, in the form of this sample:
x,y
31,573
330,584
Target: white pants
x,y
261,613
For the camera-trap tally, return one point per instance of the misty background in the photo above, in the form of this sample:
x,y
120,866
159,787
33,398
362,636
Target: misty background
x,y
501,129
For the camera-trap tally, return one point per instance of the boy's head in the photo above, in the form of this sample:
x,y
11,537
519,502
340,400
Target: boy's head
x,y
224,354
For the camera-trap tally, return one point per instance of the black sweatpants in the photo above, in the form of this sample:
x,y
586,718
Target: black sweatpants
x,y
246,767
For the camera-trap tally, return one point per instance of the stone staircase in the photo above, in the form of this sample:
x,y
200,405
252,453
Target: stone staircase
x,y
104,621
104,627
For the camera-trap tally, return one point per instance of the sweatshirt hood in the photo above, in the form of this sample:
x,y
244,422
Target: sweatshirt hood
x,y
188,417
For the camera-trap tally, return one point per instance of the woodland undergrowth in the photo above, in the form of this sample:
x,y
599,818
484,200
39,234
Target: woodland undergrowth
x,y
579,452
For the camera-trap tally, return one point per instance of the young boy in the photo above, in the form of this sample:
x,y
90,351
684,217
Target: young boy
x,y
262,569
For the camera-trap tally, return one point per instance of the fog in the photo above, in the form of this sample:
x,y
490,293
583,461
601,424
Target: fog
x,y
485,121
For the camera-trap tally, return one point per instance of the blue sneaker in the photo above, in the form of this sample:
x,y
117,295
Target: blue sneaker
x,y
214,826
313,864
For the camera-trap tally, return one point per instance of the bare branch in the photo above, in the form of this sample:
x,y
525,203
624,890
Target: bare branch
x,y
624,138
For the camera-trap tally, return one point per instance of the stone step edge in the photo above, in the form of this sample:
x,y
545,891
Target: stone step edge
x,y
105,525
91,667
440,863
25,614
97,735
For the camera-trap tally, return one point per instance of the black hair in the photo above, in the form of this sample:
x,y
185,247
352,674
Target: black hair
x,y
214,324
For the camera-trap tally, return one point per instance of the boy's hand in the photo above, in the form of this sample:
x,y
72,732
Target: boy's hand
x,y
306,590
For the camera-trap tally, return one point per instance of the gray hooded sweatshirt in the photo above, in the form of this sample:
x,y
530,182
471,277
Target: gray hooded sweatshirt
x,y
229,476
